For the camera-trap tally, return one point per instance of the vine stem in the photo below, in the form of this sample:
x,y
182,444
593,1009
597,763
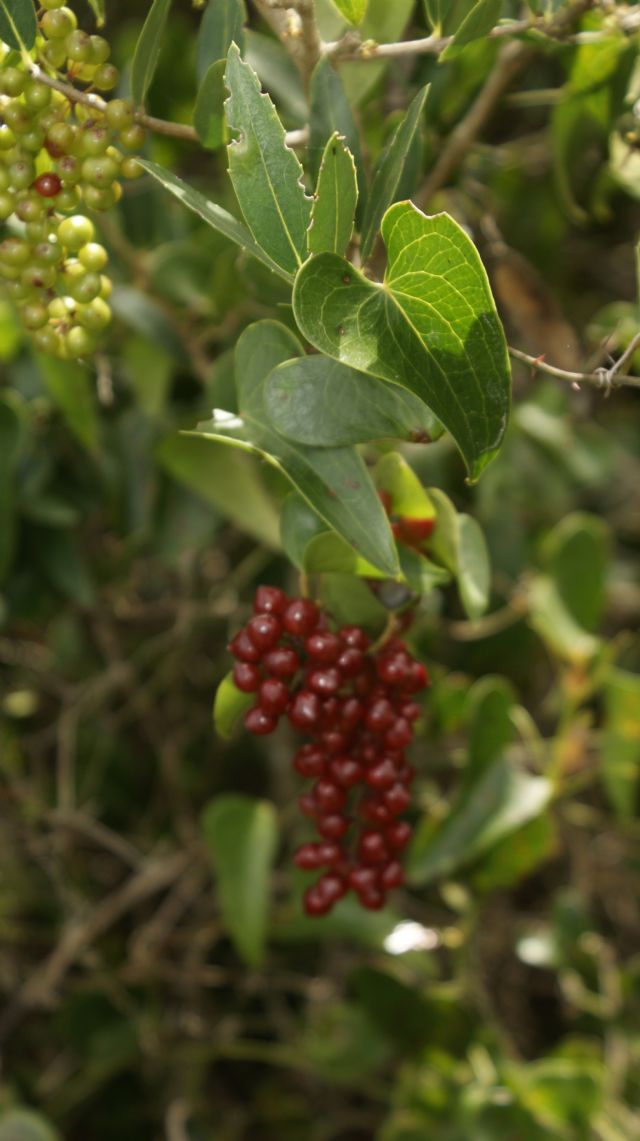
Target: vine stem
x,y
605,379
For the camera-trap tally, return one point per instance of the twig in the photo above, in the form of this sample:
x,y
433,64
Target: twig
x,y
601,379
348,48
182,131
92,829
39,989
511,60
294,23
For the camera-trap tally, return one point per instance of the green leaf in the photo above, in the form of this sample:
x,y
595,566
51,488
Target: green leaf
x,y
334,206
328,552
278,75
491,727
334,481
265,173
330,113
71,387
516,856
147,50
353,10
228,482
473,570
222,24
298,526
229,705
576,555
25,1125
384,23
242,836
208,113
320,402
388,173
98,7
620,752
555,624
18,25
431,327
350,601
480,18
500,802
213,215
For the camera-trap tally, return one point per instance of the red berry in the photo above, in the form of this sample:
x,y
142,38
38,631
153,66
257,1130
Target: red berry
x,y
48,184
355,637
379,715
323,648
394,669
282,661
397,799
386,500
305,710
264,631
259,722
330,853
392,875
346,772
310,762
363,878
398,834
246,677
350,662
329,796
374,812
315,902
372,848
410,711
407,774
351,713
243,648
324,682
383,775
413,532
301,616
330,712
333,742
418,679
331,886
269,600
308,857
274,695
332,827
399,735
373,900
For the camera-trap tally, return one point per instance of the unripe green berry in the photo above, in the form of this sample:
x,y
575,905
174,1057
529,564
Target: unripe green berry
x,y
100,50
94,140
46,340
68,199
16,115
14,251
130,168
30,208
37,231
21,173
39,276
4,177
75,232
60,139
53,53
34,315
70,170
93,257
18,292
12,81
119,114
98,198
32,141
6,205
78,47
58,23
60,308
100,171
85,287
79,342
106,77
7,138
95,316
47,253
106,288
37,96
132,138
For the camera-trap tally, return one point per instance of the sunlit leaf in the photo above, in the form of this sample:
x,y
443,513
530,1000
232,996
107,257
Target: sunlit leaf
x,y
229,705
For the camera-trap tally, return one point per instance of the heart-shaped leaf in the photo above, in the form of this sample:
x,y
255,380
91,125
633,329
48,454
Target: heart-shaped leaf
x,y
334,481
265,173
431,326
321,402
335,200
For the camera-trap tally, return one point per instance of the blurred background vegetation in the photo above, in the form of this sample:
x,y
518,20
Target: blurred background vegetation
x,y
499,997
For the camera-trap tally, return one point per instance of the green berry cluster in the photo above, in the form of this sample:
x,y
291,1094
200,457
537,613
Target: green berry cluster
x,y
58,156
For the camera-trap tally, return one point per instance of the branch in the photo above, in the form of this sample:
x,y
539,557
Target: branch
x,y
603,378
182,131
350,47
294,23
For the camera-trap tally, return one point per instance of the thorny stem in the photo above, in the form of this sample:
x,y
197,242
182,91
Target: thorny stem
x,y
603,379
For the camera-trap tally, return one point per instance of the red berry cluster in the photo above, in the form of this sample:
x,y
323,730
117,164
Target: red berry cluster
x,y
407,529
357,706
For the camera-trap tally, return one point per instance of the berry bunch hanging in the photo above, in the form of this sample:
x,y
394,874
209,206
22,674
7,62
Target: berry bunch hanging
x,y
356,704
58,156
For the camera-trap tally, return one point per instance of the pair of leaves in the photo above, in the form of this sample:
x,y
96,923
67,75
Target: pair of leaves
x,y
334,481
